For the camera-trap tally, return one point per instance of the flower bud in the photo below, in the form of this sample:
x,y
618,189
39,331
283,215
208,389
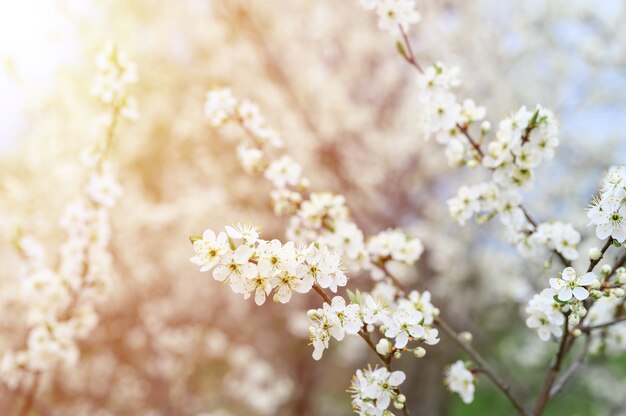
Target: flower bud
x,y
595,253
581,311
472,163
596,294
577,332
383,347
621,275
436,312
311,313
595,284
606,269
397,355
574,319
485,126
401,398
618,292
466,337
398,405
370,328
419,352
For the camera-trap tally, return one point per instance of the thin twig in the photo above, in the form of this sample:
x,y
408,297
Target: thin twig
x,y
30,396
407,45
484,366
544,393
590,328
386,360
578,362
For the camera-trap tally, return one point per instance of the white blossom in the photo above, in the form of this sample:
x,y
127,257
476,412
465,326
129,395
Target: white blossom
x,y
460,380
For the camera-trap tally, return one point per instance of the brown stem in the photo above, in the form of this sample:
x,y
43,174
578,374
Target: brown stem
x,y
386,360
30,397
544,394
471,140
580,359
483,366
590,328
407,45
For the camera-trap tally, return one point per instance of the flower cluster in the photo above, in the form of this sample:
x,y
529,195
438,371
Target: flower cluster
x,y
394,245
545,315
115,73
314,216
334,320
373,390
608,212
62,300
460,380
442,113
546,311
252,266
522,142
558,236
393,15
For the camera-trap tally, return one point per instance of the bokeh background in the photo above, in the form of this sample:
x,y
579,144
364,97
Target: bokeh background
x,y
171,341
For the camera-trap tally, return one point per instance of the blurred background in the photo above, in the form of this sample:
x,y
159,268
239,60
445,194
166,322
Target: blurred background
x,y
171,341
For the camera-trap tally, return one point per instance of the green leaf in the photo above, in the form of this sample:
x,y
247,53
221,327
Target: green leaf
x,y
400,48
533,120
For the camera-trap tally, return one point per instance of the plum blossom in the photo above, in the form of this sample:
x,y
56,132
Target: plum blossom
x,y
571,284
460,380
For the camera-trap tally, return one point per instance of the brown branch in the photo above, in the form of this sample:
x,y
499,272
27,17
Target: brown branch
x,y
483,366
30,396
407,45
572,369
590,328
386,360
471,141
544,394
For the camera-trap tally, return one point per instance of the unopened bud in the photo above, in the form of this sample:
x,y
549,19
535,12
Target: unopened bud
x,y
596,294
401,398
577,332
595,253
383,347
581,311
436,311
606,269
574,320
485,126
398,405
472,163
595,284
311,313
619,292
419,352
466,337
397,355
